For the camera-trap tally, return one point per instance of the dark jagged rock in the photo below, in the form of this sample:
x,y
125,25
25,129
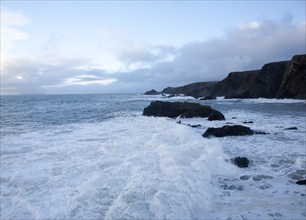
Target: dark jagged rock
x,y
204,112
291,128
175,109
169,109
241,162
228,130
216,116
301,182
152,92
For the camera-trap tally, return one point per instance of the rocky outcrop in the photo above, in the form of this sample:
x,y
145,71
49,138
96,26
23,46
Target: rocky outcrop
x,y
182,109
152,92
228,130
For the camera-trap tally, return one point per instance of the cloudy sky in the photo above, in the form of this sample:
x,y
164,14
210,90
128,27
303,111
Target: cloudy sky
x,y
134,46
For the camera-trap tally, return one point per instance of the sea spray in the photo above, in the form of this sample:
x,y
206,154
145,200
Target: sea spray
x,y
125,167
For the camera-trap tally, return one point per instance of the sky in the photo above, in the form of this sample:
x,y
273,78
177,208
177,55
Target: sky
x,y
73,47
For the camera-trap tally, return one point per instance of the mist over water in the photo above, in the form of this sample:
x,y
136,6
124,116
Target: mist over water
x,y
96,156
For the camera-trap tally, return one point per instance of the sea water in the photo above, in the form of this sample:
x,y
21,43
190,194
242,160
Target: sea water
x,y
97,157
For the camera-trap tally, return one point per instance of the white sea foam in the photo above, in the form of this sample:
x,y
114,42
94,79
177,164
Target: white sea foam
x,y
140,167
264,100
180,97
127,167
267,189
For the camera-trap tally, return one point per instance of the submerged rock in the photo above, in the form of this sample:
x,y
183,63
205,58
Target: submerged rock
x,y
228,130
291,128
261,132
194,126
261,177
248,122
183,109
241,162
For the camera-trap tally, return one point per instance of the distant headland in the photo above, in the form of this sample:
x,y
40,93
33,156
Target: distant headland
x,y
284,79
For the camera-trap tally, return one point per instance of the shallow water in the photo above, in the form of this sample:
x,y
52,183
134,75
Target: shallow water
x,y
95,156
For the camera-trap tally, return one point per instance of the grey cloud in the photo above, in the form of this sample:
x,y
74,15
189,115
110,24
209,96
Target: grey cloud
x,y
146,54
245,48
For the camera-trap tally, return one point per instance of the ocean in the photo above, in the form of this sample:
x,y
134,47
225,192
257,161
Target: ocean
x,y
97,157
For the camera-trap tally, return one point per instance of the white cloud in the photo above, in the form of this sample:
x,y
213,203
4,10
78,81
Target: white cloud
x,y
83,80
13,18
240,49
19,77
11,22
137,56
251,25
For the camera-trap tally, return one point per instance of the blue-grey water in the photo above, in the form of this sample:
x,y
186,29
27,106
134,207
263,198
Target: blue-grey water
x,y
96,156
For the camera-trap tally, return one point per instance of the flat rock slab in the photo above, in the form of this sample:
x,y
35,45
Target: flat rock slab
x,y
228,130
182,109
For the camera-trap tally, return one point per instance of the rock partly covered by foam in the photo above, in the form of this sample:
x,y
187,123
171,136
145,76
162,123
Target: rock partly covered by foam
x,y
183,109
228,130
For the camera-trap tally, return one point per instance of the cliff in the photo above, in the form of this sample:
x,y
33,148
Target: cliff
x,y
199,89
284,79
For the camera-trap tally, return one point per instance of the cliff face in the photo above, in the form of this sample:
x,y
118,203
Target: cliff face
x,y
263,83
196,90
285,79
294,81
236,84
